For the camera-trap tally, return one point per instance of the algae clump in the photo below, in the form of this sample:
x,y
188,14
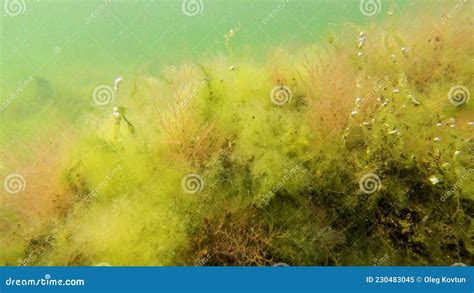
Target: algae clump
x,y
263,162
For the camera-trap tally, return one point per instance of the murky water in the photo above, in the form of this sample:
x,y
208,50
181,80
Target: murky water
x,y
382,109
53,53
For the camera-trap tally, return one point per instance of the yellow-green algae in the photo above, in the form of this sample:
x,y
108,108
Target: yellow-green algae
x,y
280,182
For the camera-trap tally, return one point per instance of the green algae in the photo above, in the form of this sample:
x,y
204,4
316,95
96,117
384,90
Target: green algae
x,y
277,182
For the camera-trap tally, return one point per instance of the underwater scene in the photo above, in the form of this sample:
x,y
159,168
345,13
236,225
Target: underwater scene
x,y
236,133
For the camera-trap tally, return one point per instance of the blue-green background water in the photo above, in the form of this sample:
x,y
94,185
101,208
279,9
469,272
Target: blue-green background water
x,y
66,48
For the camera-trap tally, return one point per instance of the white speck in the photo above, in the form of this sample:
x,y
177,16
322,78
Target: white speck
x,y
434,180
117,83
232,68
437,139
439,124
395,131
404,51
451,120
361,41
470,123
115,112
413,100
354,112
396,90
359,54
457,153
358,100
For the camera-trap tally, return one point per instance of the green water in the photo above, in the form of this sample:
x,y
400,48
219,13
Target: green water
x,y
54,53
62,143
